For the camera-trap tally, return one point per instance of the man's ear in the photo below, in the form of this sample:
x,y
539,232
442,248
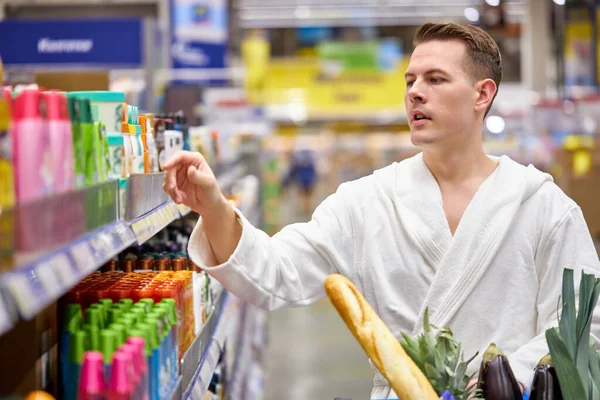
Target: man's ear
x,y
486,91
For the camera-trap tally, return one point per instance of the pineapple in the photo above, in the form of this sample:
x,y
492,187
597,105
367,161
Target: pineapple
x,y
439,356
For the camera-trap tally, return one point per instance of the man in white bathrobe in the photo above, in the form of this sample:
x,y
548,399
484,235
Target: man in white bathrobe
x,y
481,241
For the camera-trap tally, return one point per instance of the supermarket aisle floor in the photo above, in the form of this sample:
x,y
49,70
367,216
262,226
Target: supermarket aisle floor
x,y
311,355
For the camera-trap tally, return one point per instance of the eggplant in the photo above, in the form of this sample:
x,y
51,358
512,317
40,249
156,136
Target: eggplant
x,y
545,384
496,379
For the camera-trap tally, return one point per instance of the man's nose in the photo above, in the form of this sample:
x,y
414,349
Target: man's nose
x,y
415,94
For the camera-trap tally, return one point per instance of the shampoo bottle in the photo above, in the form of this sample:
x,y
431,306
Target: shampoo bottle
x,y
31,147
61,141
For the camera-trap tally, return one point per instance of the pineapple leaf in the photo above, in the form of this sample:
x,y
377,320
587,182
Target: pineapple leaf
x,y
588,298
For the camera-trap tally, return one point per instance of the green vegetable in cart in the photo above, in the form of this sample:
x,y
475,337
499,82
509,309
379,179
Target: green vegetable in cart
x,y
545,384
496,378
438,355
575,359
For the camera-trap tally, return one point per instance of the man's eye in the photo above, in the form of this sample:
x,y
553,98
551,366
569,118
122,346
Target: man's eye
x,y
409,83
435,80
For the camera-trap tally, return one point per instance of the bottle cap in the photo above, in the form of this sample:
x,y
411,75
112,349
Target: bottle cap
x,y
139,313
92,316
179,264
120,333
93,333
120,375
172,310
128,265
138,332
91,378
113,315
146,264
147,302
128,320
156,333
163,264
108,344
85,111
73,317
128,303
56,105
135,370
77,346
28,104
140,345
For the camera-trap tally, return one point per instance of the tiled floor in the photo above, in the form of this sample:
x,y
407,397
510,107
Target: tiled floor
x,y
311,354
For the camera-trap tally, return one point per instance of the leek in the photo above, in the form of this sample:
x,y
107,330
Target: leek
x,y
576,361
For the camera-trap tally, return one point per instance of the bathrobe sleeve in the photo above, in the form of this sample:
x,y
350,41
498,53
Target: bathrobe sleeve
x,y
569,245
289,268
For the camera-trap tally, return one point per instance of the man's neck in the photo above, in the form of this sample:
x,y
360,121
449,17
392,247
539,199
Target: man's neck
x,y
455,167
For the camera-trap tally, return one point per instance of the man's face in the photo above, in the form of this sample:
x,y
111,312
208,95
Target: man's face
x,y
440,96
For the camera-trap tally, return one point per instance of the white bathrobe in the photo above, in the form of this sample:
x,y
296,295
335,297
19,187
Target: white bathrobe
x,y
498,279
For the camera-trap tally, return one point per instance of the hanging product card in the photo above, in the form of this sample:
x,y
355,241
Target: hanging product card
x,y
578,47
199,34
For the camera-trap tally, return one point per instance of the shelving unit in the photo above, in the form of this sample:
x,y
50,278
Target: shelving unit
x,y
58,241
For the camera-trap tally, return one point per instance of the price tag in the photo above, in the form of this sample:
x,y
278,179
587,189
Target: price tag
x,y
24,294
49,281
84,259
139,227
64,270
98,246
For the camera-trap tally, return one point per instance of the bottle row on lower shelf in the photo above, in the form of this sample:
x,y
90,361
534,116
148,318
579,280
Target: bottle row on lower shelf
x,y
49,246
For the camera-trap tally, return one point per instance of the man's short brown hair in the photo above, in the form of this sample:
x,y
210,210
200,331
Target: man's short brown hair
x,y
483,61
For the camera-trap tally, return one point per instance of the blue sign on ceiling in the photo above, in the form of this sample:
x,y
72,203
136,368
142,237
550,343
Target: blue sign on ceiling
x,y
110,42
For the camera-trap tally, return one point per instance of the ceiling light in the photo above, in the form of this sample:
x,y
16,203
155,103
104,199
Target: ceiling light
x,y
560,2
493,3
495,124
471,14
302,12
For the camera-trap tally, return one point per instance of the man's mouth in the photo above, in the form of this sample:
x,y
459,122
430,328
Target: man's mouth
x,y
418,115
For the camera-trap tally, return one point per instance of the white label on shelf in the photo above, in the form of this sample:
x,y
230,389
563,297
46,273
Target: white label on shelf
x,y
24,295
84,259
48,279
64,270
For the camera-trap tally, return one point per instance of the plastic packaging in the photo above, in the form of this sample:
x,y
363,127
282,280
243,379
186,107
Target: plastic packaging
x,y
31,147
61,140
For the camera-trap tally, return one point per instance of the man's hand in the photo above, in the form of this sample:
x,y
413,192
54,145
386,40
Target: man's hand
x,y
190,181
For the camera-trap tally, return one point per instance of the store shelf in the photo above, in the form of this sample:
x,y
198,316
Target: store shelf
x,y
53,243
200,361
154,221
176,393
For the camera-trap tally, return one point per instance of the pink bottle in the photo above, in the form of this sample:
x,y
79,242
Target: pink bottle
x,y
91,380
141,366
119,387
61,140
31,147
136,375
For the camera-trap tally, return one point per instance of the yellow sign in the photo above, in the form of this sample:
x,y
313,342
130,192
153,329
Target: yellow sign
x,y
301,86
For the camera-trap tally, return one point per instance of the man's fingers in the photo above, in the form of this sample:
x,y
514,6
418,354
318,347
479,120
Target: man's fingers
x,y
197,178
184,158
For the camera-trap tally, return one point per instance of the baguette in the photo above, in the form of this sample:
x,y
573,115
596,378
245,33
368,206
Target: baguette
x,y
386,352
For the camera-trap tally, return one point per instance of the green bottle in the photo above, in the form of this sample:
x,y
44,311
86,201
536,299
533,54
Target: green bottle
x,y
108,344
91,142
93,317
77,140
119,330
148,303
127,302
93,333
